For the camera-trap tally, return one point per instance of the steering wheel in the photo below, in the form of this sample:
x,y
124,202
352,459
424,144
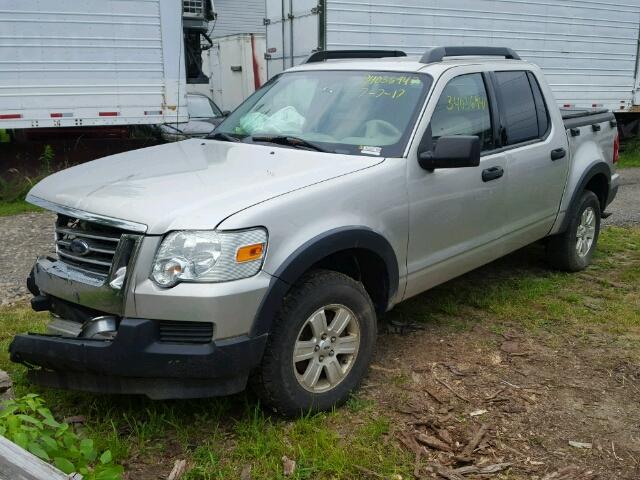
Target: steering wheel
x,y
380,128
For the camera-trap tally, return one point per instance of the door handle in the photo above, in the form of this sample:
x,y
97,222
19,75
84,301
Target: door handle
x,y
492,173
558,153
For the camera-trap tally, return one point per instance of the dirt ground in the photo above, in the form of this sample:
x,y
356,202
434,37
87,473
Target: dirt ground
x,y
544,405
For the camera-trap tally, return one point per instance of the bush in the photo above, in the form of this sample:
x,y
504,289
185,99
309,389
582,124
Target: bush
x,y
29,423
17,185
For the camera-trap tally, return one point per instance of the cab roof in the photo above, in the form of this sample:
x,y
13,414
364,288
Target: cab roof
x,y
403,64
434,60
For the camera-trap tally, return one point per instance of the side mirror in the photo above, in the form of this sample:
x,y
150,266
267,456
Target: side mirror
x,y
455,151
226,113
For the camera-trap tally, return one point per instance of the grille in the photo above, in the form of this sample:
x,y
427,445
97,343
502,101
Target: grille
x,y
185,332
193,8
85,245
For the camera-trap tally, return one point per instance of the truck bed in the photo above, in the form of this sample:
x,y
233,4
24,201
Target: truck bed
x,y
575,117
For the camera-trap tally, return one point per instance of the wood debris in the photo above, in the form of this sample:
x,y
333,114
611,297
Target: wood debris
x,y
571,473
288,466
575,444
179,469
246,473
433,442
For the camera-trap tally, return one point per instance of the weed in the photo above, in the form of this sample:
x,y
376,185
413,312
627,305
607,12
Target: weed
x,y
630,154
30,424
16,185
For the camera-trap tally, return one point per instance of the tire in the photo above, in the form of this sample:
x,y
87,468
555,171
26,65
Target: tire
x,y
286,386
562,249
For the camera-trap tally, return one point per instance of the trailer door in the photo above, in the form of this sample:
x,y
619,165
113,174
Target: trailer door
x,y
292,32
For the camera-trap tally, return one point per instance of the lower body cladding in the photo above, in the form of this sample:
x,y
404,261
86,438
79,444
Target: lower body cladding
x,y
170,352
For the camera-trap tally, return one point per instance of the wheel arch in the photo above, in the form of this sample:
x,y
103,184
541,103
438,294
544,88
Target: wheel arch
x,y
335,249
596,179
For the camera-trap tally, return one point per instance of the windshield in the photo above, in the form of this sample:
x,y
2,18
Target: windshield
x,y
202,107
352,112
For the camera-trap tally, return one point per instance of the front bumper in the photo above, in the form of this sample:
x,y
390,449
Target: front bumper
x,y
135,361
135,357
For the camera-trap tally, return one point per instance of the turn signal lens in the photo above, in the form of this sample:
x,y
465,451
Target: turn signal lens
x,y
249,253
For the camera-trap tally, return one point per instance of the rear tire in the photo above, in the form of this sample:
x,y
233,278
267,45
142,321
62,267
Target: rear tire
x,y
572,250
320,346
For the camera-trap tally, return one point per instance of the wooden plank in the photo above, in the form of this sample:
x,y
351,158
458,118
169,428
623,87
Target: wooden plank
x,y
18,464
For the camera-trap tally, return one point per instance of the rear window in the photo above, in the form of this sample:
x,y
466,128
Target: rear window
x,y
541,108
518,107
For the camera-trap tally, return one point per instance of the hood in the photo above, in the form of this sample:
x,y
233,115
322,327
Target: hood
x,y
194,184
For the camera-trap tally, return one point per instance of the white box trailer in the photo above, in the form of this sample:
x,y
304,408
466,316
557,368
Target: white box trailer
x,y
588,49
71,63
236,66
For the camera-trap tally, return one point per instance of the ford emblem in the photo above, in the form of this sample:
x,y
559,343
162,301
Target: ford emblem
x,y
79,247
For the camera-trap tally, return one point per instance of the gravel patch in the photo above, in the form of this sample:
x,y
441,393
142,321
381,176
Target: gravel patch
x,y
23,237
625,209
26,236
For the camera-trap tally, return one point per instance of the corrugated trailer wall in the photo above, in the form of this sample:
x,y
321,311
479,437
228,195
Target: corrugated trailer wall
x,y
588,49
236,16
90,62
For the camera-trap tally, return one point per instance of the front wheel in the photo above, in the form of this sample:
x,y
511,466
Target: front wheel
x,y
320,347
572,250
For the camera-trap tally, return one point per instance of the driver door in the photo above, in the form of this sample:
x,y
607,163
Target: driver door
x,y
456,215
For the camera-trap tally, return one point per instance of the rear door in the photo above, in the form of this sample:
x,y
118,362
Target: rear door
x,y
536,153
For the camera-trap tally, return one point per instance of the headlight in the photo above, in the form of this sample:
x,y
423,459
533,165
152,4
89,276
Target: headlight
x,y
208,256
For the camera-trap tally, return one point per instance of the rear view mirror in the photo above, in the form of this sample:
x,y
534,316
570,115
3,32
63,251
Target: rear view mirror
x,y
455,151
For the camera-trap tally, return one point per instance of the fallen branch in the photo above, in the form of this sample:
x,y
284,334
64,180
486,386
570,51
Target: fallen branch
x,y
179,469
433,395
433,442
448,474
416,464
446,385
475,440
570,473
484,470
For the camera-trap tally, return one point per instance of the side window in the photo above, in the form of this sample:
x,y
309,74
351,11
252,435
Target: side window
x,y
541,108
518,107
463,109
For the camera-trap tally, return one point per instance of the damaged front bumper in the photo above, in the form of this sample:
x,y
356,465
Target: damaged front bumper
x,y
137,362
95,343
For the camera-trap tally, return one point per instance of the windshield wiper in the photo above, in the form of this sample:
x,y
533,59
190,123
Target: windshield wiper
x,y
223,136
288,140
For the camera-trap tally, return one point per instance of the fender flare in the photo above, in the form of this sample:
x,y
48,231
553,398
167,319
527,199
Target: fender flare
x,y
311,252
600,167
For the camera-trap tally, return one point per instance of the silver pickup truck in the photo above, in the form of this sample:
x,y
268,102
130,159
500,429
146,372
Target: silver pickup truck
x,y
266,253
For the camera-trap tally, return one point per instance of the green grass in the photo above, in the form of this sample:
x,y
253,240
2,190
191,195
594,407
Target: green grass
x,y
221,437
630,155
14,208
521,289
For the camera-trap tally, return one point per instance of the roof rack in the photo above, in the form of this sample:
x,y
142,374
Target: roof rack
x,y
323,55
436,54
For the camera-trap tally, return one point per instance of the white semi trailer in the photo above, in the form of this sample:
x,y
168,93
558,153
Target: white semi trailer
x,y
588,49
96,63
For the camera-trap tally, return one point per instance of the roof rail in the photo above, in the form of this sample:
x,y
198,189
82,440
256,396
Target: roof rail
x,y
436,54
323,55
